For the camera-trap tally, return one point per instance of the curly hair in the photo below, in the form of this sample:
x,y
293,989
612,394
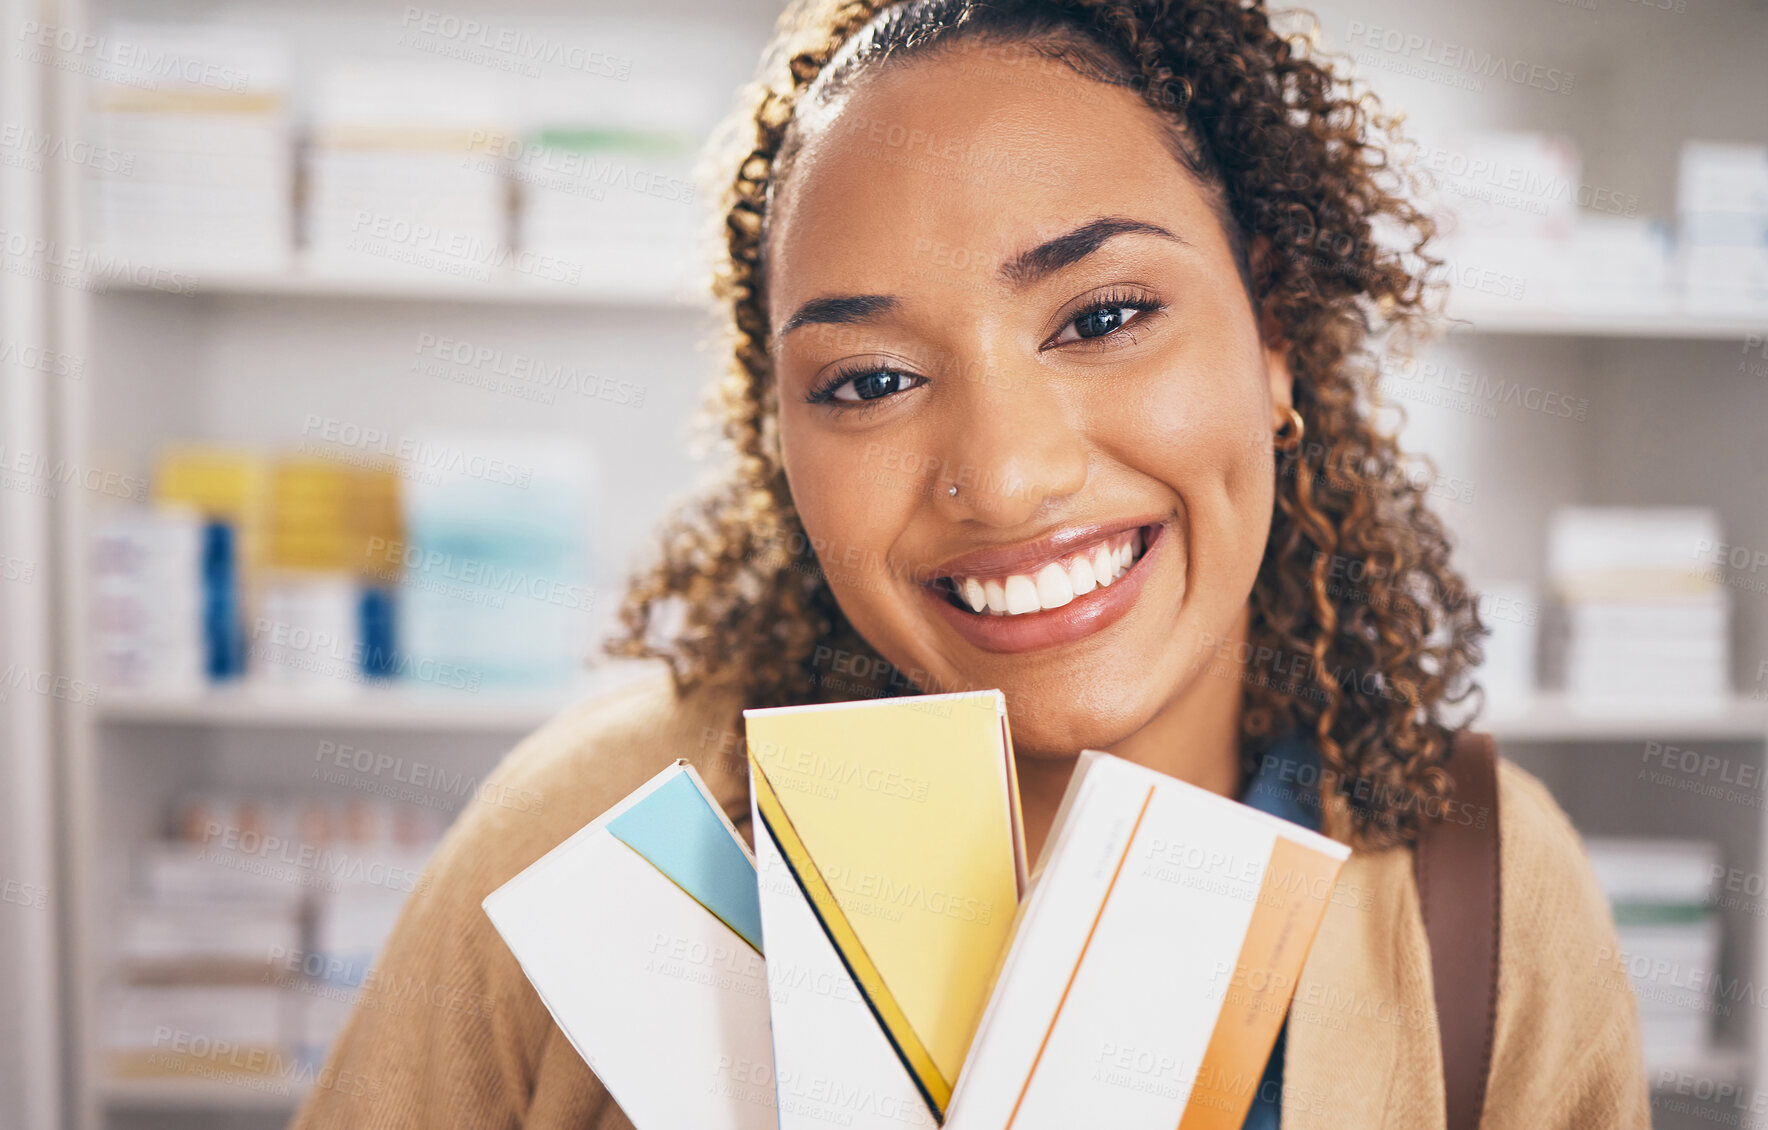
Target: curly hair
x,y
1366,628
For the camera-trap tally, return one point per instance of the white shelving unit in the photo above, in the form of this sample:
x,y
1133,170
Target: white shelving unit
x,y
241,357
185,1097
303,281
1550,718
246,356
393,708
1666,324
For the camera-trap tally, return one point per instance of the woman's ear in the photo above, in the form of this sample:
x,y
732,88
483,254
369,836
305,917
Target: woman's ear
x,y
1276,342
1277,370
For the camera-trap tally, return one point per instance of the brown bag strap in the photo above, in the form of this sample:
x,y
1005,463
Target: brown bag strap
x,y
1458,893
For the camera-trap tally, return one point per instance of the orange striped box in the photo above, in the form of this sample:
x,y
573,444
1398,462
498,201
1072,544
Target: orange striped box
x,y
1152,964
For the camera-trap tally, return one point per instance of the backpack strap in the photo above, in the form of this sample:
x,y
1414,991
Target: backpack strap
x,y
1456,864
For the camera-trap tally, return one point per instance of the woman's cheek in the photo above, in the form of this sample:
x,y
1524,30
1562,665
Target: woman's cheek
x,y
1204,431
850,495
1175,431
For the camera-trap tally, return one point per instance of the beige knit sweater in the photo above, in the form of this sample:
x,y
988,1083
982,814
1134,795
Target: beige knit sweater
x,y
450,1034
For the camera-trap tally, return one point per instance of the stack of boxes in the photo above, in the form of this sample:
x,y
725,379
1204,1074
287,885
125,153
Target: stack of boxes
x,y
1646,627
401,179
416,168
1722,195
465,566
147,619
1528,226
1511,214
319,626
496,555
252,926
192,126
1662,895
607,191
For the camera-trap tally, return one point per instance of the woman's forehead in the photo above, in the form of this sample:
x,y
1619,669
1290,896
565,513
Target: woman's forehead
x,y
972,155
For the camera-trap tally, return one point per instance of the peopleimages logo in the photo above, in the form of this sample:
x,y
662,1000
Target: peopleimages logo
x,y
506,46
65,265
1456,57
139,63
248,849
413,451
26,148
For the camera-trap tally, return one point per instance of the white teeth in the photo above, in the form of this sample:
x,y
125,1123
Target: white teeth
x,y
1053,585
1021,595
974,595
995,596
1104,565
1053,589
1080,576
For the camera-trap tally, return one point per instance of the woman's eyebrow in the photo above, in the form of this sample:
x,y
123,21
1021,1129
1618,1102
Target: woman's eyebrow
x,y
839,310
1022,270
1052,255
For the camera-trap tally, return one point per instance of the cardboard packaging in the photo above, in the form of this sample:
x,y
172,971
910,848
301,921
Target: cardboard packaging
x,y
1151,966
890,862
642,935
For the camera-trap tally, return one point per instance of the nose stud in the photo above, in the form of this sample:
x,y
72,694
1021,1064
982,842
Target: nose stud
x,y
952,490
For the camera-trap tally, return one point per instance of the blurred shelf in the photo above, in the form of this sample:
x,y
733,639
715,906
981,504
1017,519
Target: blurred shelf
x,y
302,281
245,1092
370,708
1550,717
1724,1064
1520,320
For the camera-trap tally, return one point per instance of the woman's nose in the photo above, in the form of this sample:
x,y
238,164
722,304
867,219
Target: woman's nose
x,y
1012,443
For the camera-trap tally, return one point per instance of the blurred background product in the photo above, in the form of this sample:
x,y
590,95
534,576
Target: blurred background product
x,y
248,922
1647,626
1669,934
609,179
309,632
148,598
464,565
1511,199
1527,226
501,595
400,179
1722,200
228,488
1511,613
191,167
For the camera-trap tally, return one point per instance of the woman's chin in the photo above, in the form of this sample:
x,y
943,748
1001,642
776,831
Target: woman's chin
x,y
1050,726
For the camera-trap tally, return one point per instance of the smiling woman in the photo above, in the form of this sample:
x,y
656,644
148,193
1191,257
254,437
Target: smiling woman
x,y
1050,331
1064,260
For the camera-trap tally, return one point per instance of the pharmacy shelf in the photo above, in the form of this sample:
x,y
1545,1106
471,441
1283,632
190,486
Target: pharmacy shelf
x,y
368,708
1725,1064
302,281
1553,718
1516,319
246,1093
1547,718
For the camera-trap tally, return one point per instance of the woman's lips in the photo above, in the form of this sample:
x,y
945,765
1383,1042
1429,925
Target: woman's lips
x,y
1050,583
1051,627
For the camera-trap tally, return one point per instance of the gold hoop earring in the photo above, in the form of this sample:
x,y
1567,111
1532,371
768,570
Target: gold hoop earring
x,y
1288,435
